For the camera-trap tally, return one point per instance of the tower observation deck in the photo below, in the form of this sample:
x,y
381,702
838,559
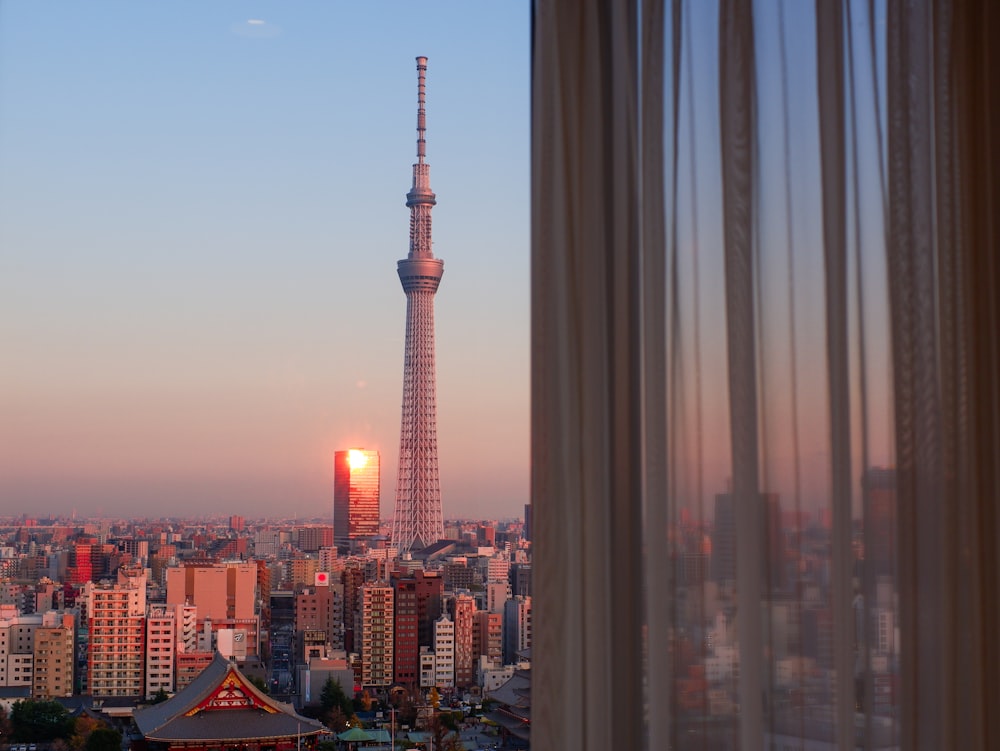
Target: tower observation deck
x,y
417,520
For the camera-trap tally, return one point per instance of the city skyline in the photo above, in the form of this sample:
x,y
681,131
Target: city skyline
x,y
199,211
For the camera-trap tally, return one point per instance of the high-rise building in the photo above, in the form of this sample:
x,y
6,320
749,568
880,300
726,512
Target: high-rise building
x,y
161,648
355,495
311,539
487,637
444,652
417,520
516,627
462,608
377,634
320,608
53,667
116,615
407,625
226,597
219,590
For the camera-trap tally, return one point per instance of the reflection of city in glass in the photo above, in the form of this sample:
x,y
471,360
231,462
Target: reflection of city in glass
x,y
355,495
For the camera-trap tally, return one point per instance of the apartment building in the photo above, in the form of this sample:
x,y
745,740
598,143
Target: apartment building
x,y
116,619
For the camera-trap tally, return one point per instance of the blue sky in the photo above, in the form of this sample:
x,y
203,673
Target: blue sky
x,y
201,208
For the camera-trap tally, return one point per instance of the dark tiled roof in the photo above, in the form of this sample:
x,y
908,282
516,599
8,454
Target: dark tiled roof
x,y
234,725
168,720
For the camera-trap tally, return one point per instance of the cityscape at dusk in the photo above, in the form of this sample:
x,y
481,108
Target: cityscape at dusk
x,y
460,376
201,210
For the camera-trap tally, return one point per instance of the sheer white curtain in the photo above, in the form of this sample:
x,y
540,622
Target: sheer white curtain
x,y
765,409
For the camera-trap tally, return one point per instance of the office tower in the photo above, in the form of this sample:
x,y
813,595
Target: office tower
x,y
417,520
311,539
116,619
355,495
377,634
516,627
520,579
81,565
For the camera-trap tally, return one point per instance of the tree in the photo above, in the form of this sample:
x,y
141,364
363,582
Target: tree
x,y
336,709
4,724
444,738
82,728
34,720
333,695
159,697
104,739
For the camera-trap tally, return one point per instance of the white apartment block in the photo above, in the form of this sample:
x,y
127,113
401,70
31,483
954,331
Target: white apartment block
x,y
428,668
444,652
17,647
161,649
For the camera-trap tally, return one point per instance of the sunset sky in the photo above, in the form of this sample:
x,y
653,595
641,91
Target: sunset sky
x,y
201,210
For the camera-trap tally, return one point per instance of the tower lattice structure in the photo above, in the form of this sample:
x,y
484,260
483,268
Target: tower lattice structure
x,y
417,521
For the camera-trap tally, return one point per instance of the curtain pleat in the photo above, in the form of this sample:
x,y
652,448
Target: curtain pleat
x,y
830,95
586,440
736,114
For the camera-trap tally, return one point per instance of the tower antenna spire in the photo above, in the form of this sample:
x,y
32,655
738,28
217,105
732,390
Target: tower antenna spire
x,y
421,111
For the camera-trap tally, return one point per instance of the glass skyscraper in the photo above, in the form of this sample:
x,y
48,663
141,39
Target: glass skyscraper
x,y
355,495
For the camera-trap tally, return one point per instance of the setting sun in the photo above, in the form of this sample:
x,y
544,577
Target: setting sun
x,y
357,459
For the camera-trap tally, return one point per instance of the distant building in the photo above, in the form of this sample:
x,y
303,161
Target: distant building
x,y
355,495
311,539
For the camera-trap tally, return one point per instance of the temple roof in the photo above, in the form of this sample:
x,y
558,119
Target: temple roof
x,y
222,705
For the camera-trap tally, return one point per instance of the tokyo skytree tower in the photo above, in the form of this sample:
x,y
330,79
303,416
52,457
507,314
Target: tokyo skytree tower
x,y
417,521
